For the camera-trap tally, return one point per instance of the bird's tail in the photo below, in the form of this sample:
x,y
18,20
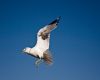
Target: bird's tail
x,y
47,57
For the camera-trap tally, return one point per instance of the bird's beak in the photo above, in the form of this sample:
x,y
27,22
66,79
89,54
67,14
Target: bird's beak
x,y
23,51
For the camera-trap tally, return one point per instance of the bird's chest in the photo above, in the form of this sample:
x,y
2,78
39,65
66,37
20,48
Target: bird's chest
x,y
39,52
43,44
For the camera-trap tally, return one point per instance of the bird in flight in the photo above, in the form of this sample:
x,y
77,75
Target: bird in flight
x,y
41,50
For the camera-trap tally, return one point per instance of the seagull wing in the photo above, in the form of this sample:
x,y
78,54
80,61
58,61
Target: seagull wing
x,y
43,35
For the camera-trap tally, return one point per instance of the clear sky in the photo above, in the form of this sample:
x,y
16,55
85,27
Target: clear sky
x,y
75,44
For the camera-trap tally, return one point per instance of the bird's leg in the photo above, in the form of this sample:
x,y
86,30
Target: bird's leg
x,y
38,61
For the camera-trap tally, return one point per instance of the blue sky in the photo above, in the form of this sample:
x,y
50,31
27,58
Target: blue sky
x,y
75,44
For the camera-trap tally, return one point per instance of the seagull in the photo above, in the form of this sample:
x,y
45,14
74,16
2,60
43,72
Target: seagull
x,y
41,50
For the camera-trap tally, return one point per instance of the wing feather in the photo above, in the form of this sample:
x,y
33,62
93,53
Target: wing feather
x,y
43,35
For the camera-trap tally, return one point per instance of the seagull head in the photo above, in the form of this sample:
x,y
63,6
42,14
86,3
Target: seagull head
x,y
27,50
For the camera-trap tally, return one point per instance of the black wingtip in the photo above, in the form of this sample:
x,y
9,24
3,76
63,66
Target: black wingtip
x,y
56,20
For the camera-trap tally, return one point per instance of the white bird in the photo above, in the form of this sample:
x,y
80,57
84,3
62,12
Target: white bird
x,y
41,49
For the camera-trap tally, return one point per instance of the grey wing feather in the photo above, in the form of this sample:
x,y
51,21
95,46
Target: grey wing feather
x,y
48,28
51,26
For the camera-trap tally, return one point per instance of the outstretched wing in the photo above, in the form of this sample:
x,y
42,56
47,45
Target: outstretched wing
x,y
48,28
43,35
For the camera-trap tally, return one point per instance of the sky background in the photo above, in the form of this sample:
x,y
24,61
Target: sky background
x,y
75,44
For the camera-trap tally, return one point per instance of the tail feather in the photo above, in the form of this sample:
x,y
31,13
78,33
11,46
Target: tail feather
x,y
47,57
